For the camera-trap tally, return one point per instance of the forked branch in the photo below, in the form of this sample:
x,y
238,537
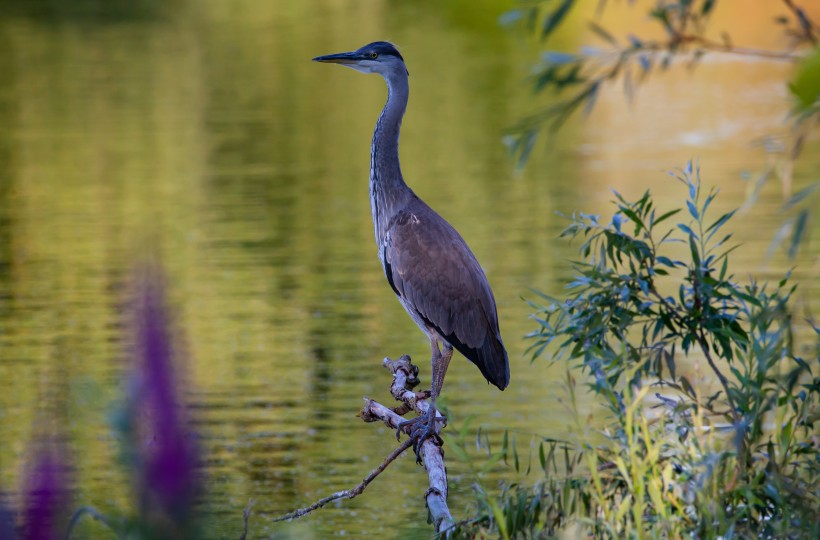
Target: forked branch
x,y
405,378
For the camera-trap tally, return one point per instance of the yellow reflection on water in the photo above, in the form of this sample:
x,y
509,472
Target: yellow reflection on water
x,y
204,132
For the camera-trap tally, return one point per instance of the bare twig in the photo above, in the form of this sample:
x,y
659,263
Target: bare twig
x,y
740,51
246,515
88,510
348,493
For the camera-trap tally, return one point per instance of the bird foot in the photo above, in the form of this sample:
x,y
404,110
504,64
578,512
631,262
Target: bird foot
x,y
421,428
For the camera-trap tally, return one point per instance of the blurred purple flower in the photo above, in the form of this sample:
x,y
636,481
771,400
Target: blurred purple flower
x,y
6,521
45,497
169,463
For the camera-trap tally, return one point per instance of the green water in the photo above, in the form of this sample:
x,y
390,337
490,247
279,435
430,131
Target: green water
x,y
202,131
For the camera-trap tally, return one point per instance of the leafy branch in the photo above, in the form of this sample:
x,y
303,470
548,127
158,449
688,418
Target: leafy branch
x,y
632,59
626,319
650,287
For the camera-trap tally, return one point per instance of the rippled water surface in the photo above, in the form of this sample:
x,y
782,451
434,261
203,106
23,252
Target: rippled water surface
x,y
204,131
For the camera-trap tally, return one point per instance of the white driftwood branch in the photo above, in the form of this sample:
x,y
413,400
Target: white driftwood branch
x,y
405,377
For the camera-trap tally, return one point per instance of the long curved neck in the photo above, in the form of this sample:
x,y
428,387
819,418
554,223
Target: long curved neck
x,y
388,192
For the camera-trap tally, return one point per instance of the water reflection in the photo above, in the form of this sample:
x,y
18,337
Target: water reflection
x,y
206,129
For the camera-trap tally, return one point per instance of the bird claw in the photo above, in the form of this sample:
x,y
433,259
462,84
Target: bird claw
x,y
420,434
421,428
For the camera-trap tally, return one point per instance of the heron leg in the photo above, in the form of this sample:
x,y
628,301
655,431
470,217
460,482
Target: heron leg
x,y
423,427
440,361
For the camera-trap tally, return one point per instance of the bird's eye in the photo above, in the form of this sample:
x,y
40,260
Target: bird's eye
x,y
373,55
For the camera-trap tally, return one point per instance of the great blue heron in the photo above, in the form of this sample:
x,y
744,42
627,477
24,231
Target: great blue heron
x,y
427,263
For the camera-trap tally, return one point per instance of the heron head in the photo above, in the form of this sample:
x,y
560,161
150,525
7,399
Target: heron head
x,y
379,57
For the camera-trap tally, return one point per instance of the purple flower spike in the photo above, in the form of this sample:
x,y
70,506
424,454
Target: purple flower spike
x,y
168,462
45,498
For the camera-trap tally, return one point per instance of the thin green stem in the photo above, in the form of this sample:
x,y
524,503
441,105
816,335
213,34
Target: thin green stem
x,y
704,346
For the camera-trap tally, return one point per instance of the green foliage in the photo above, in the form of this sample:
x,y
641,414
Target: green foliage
x,y
631,59
676,461
806,83
579,78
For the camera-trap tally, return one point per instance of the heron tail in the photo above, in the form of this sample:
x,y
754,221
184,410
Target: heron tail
x,y
491,359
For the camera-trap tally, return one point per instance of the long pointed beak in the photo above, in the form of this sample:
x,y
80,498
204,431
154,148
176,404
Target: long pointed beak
x,y
340,58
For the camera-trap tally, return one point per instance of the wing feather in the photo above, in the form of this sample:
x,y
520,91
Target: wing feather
x,y
431,267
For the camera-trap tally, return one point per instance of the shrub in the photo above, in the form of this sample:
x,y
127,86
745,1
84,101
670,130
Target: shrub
x,y
675,461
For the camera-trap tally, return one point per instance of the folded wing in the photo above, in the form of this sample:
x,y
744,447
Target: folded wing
x,y
430,266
